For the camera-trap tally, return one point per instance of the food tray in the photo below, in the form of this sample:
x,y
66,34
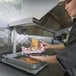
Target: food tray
x,y
11,59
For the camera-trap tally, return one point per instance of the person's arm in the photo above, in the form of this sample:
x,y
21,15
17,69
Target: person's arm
x,y
49,59
52,46
55,47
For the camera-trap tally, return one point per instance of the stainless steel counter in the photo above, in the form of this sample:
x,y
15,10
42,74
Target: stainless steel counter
x,y
50,70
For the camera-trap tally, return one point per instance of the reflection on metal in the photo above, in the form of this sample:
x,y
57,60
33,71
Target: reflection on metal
x,y
4,37
14,40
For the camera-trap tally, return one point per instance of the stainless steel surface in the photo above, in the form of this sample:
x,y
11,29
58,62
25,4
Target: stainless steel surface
x,y
31,68
14,40
50,70
28,21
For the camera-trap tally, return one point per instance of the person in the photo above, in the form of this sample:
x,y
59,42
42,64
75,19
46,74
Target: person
x,y
66,57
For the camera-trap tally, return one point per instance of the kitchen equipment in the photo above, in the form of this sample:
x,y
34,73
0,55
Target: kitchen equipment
x,y
13,58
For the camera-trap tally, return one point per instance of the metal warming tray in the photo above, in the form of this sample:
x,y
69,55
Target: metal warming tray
x,y
15,27
31,68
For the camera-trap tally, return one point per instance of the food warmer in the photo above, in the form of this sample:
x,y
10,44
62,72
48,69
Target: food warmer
x,y
27,27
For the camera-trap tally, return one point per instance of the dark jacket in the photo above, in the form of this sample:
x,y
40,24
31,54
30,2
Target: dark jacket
x,y
67,57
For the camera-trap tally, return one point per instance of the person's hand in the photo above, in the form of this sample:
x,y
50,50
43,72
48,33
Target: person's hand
x,y
48,59
41,58
44,45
